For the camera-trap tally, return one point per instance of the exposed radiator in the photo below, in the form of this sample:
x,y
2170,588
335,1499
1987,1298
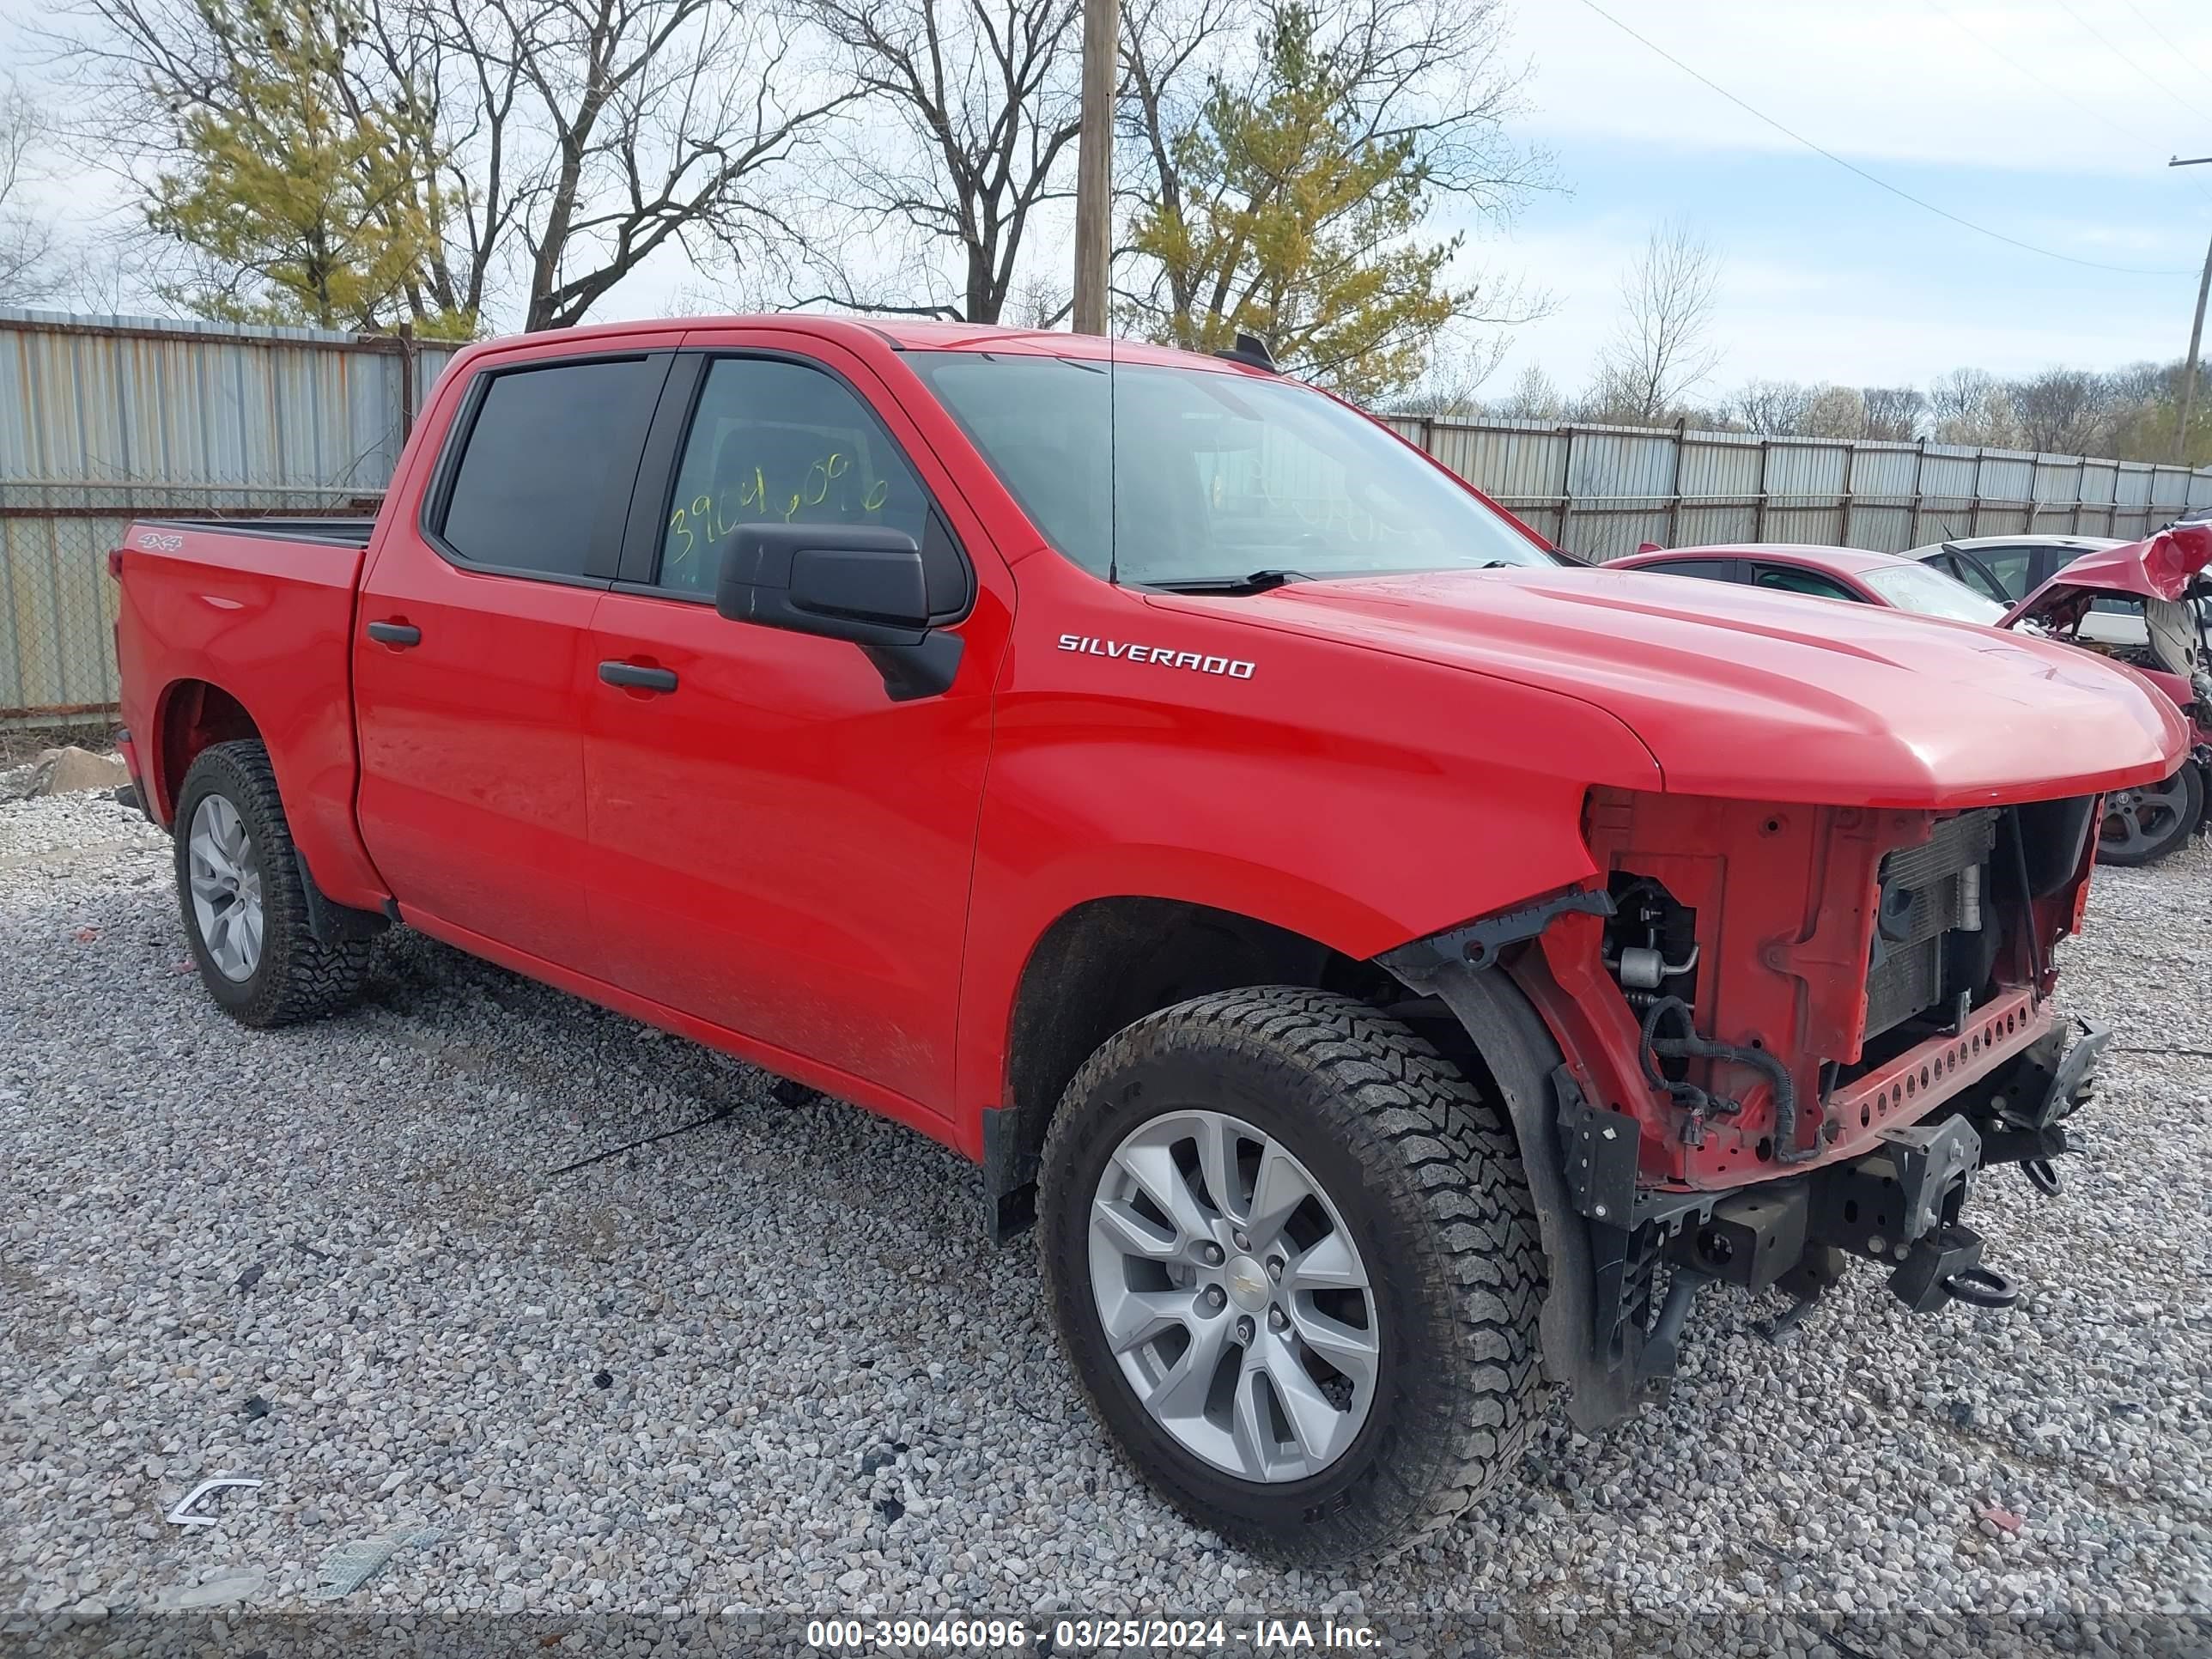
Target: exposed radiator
x,y
1927,891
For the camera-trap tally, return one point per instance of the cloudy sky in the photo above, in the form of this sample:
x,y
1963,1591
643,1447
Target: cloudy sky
x,y
2047,121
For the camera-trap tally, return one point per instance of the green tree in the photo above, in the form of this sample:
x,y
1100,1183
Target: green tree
x,y
303,206
1292,221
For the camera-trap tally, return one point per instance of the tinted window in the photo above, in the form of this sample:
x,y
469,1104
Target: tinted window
x,y
1186,475
1789,579
549,465
1711,570
776,442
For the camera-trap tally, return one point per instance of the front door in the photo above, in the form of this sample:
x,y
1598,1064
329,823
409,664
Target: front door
x,y
473,655
779,848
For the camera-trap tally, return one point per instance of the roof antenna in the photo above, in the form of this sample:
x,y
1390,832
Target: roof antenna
x,y
1251,350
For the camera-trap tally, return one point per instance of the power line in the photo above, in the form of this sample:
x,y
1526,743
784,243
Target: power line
x,y
2133,134
2113,46
1874,180
2172,45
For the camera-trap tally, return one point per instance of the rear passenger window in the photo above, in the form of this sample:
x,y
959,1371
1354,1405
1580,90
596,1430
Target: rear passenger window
x,y
546,472
1789,580
776,442
1711,570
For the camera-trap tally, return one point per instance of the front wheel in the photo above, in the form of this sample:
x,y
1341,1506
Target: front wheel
x,y
1294,1264
2143,825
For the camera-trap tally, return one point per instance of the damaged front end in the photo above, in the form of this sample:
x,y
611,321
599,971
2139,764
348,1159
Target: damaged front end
x,y
1767,1039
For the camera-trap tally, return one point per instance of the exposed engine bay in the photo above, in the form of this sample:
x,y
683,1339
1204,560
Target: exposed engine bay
x,y
1795,1036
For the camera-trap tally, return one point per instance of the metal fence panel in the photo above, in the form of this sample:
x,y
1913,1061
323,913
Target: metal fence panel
x,y
1613,488
105,419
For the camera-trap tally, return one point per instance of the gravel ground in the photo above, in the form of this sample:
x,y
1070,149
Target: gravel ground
x,y
767,1363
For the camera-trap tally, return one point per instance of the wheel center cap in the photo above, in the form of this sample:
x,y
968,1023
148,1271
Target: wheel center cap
x,y
1248,1283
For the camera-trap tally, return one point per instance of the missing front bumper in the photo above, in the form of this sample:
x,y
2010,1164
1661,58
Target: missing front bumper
x,y
1898,1203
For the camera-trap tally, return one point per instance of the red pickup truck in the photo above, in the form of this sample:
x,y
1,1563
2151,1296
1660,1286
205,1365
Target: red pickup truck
x,y
1395,967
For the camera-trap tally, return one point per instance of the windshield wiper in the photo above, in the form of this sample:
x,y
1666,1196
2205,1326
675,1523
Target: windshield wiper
x,y
1258,582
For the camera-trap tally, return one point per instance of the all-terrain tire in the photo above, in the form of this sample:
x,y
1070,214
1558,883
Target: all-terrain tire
x,y
296,977
1430,1184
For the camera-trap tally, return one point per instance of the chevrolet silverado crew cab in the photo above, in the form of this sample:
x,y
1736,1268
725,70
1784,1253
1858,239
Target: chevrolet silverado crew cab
x,y
1397,969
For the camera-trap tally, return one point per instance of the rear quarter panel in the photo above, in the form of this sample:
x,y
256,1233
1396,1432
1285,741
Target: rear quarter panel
x,y
267,620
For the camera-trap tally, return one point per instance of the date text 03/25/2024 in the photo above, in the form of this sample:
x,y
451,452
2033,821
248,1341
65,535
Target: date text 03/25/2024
x,y
1084,1635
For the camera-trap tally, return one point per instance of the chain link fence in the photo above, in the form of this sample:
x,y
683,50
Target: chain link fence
x,y
105,420
58,603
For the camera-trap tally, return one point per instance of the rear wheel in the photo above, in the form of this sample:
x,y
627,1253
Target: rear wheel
x,y
2144,824
243,901
1294,1264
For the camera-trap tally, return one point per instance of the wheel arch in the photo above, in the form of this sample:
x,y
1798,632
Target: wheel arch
x,y
191,715
1103,963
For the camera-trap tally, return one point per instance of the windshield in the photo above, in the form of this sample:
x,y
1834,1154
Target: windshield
x,y
1211,476
1931,593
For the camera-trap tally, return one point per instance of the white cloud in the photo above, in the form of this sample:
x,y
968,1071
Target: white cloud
x,y
2018,84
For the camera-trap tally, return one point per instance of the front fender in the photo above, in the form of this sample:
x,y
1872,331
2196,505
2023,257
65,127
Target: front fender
x,y
1526,1072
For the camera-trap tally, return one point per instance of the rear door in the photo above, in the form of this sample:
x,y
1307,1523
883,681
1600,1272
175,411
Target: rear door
x,y
780,846
472,659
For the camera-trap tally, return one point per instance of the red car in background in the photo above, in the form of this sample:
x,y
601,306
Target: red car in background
x,y
2165,633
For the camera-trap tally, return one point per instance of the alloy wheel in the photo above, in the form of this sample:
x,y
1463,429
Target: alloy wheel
x,y
1233,1297
226,887
2138,819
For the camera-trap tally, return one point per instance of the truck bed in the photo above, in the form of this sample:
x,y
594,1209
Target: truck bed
x,y
218,615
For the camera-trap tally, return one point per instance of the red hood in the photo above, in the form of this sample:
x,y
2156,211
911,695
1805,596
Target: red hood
x,y
2159,566
1769,696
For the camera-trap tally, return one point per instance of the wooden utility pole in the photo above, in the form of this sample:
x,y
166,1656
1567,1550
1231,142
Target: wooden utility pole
x,y
2195,338
1094,165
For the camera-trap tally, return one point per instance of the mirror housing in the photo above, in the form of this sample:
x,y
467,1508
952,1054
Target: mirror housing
x,y
861,583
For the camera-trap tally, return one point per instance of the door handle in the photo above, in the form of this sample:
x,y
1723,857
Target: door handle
x,y
634,675
391,633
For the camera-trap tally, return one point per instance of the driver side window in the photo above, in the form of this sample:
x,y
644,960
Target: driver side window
x,y
776,443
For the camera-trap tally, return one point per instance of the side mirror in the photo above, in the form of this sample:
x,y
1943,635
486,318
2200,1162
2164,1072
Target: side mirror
x,y
859,583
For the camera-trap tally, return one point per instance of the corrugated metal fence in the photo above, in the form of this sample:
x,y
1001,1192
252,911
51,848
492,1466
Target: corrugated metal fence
x,y
105,419
1601,491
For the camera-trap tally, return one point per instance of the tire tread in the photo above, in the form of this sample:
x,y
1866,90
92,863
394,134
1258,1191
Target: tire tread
x,y
299,978
1418,1130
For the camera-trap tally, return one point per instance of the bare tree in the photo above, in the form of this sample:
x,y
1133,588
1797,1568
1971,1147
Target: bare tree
x,y
641,123
564,142
973,106
2063,410
1458,363
30,267
1894,414
1835,411
1773,409
1969,406
1534,398
1663,348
